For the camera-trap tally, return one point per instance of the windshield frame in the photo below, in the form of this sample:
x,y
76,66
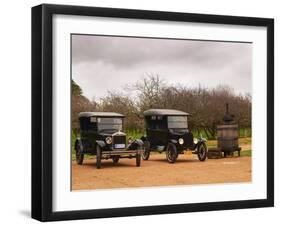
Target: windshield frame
x,y
120,125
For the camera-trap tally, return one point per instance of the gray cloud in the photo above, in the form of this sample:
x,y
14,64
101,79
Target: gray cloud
x,y
102,63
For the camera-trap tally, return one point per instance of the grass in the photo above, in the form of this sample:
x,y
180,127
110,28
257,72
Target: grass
x,y
242,141
245,140
246,153
136,134
247,132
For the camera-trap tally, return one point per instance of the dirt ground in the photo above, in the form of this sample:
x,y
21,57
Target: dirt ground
x,y
158,172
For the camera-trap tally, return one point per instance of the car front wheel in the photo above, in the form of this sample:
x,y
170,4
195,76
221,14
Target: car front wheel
x,y
138,160
78,153
98,156
202,151
145,155
171,153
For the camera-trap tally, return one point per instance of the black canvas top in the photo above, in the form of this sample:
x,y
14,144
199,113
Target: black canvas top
x,y
151,112
100,114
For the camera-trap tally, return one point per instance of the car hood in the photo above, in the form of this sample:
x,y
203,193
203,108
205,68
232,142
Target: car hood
x,y
106,134
178,133
119,133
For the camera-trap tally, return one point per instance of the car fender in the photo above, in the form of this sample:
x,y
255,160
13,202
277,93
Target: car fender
x,y
139,142
200,141
173,141
101,143
143,139
135,144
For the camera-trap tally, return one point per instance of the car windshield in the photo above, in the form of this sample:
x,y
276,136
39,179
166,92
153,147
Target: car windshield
x,y
177,122
109,124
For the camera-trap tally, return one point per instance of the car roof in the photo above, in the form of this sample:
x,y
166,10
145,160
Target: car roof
x,y
100,114
151,112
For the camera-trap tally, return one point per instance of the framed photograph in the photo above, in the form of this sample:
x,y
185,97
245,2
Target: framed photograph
x,y
139,112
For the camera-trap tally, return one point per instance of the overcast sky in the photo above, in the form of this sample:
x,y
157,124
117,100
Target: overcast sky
x,y
101,63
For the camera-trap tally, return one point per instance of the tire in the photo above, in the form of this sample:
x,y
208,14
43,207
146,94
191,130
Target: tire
x,y
138,160
98,157
171,153
202,151
145,155
78,149
115,159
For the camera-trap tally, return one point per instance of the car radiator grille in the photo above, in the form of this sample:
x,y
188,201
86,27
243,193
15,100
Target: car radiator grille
x,y
119,141
188,139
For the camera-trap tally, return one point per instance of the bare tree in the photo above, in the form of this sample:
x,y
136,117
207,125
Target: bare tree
x,y
117,102
207,106
149,91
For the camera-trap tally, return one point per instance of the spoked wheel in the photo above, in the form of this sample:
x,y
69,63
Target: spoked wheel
x,y
98,156
115,159
202,151
171,153
145,155
78,152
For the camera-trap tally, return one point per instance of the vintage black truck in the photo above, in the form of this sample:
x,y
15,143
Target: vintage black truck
x,y
101,135
167,131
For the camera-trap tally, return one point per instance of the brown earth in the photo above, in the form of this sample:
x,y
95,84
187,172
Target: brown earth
x,y
158,172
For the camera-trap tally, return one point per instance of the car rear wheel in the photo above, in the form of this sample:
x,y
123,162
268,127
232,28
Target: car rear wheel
x,y
98,156
115,159
146,153
202,151
78,152
171,153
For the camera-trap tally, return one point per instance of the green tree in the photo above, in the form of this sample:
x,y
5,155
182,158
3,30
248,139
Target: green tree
x,y
76,89
80,103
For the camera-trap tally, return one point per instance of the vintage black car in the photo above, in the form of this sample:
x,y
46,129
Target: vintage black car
x,y
167,130
101,135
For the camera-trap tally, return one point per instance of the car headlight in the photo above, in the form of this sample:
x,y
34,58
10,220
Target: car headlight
x,y
108,140
130,140
181,141
195,140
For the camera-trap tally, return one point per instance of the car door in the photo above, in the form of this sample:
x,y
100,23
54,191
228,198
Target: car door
x,y
157,131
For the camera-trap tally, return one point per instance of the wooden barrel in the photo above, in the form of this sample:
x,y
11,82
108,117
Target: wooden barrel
x,y
228,136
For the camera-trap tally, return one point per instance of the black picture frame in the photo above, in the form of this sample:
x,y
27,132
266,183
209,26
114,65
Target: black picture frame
x,y
42,111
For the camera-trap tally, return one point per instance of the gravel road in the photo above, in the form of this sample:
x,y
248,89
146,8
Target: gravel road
x,y
158,172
